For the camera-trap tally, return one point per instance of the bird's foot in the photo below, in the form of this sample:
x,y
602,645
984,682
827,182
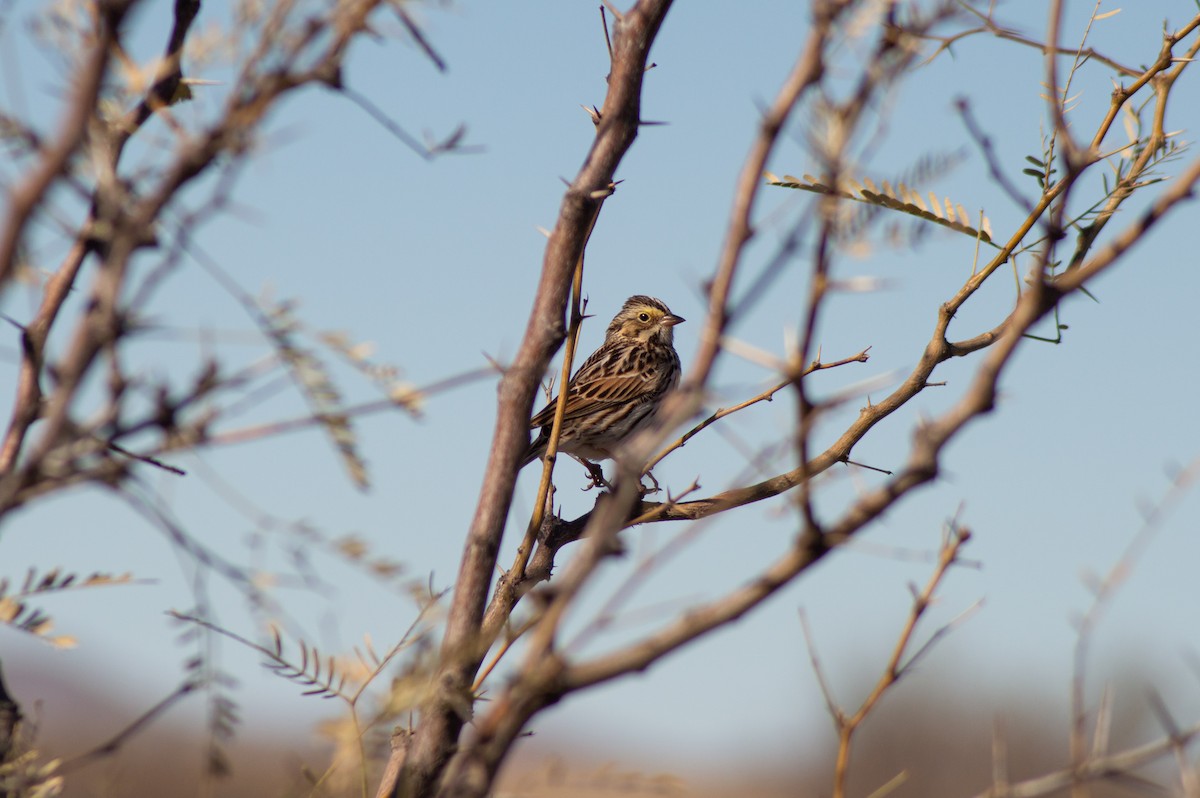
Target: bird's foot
x,y
596,475
645,491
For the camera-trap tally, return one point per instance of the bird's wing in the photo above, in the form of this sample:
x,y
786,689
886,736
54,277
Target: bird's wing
x,y
607,378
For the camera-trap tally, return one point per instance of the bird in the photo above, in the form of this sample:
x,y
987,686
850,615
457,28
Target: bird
x,y
618,389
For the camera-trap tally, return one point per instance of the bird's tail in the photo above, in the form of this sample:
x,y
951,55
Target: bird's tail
x,y
536,449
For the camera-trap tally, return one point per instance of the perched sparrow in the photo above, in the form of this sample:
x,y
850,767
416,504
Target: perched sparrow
x,y
617,390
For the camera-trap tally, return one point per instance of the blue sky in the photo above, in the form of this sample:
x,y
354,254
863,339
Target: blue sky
x,y
435,263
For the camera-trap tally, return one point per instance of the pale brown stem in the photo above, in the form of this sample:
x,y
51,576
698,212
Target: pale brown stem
x,y
848,725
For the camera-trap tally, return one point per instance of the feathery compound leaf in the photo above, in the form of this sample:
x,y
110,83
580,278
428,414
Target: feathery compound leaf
x,y
404,395
17,614
903,199
31,620
320,674
318,388
55,581
307,673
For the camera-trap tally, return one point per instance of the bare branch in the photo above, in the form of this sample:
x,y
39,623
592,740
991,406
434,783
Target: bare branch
x,y
620,116
25,198
139,724
1096,769
419,37
765,396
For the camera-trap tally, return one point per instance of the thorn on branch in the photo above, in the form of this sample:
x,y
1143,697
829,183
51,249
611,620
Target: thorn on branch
x,y
419,38
145,458
617,15
452,143
24,330
607,38
848,461
606,191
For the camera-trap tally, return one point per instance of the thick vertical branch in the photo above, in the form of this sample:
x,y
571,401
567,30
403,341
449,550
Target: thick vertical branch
x,y
444,714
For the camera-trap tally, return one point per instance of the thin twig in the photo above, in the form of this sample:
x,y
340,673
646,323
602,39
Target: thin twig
x,y
419,37
1103,591
765,396
145,458
24,198
896,667
1098,768
274,428
509,640
114,743
831,704
1000,32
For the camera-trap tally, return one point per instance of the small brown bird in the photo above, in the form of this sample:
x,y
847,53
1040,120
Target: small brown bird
x,y
617,390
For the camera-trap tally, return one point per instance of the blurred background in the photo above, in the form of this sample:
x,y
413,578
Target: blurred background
x,y
434,263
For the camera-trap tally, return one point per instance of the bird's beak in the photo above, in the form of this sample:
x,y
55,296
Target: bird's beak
x,y
670,320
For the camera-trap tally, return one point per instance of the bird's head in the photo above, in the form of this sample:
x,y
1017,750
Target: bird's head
x,y
644,319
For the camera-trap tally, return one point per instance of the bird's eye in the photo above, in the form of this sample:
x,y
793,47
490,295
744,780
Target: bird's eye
x,y
644,317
